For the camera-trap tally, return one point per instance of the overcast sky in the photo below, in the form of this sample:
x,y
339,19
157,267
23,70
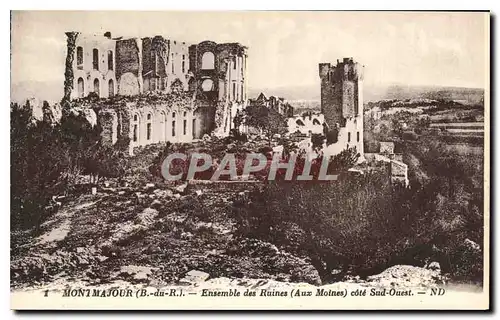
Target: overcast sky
x,y
284,47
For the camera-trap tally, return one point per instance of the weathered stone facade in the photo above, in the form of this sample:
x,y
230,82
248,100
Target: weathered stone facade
x,y
342,103
92,66
220,82
200,87
144,122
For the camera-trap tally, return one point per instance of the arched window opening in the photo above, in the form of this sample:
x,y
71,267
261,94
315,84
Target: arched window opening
x,y
81,90
111,88
96,87
110,60
192,84
208,61
194,128
149,127
316,122
299,122
135,136
163,126
79,55
173,64
173,124
95,59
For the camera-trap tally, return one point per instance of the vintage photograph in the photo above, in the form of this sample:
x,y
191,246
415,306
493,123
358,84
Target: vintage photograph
x,y
249,160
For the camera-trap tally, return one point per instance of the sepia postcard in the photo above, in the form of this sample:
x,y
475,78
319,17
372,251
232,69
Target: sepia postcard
x,y
250,160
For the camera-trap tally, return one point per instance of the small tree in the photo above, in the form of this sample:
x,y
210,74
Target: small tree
x,y
332,134
238,119
345,160
103,162
267,120
317,141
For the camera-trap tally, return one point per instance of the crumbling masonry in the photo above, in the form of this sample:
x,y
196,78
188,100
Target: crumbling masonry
x,y
342,108
155,89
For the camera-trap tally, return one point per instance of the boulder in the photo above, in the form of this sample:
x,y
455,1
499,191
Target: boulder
x,y
156,204
167,193
137,273
406,276
195,276
472,245
181,188
186,235
101,258
146,217
82,261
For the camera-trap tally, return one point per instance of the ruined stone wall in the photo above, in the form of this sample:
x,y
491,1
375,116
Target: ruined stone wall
x,y
387,147
306,124
331,97
399,173
220,85
129,66
148,60
108,121
178,66
164,66
203,73
165,63
128,57
144,120
84,74
69,74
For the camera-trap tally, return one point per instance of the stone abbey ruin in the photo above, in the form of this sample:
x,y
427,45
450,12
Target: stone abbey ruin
x,y
153,90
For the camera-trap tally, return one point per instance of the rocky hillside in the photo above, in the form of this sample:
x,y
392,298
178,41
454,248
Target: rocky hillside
x,y
167,236
162,231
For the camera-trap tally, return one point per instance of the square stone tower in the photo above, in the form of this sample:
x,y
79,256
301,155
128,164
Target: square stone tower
x,y
342,103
